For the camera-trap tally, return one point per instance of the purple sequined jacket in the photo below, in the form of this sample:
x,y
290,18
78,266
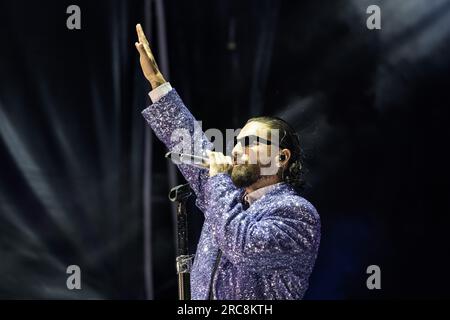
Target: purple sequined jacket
x,y
264,252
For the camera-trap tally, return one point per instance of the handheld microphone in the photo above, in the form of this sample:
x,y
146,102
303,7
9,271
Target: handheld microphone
x,y
188,159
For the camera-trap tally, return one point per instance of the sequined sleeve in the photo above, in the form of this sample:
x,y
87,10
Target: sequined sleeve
x,y
282,237
169,118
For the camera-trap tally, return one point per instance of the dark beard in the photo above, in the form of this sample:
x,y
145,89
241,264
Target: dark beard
x,y
244,175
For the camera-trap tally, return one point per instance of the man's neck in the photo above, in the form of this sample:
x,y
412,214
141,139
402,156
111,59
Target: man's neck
x,y
262,182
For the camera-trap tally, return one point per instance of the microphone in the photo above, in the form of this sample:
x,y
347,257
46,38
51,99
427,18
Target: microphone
x,y
188,159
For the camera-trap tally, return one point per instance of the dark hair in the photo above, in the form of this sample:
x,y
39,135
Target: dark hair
x,y
289,139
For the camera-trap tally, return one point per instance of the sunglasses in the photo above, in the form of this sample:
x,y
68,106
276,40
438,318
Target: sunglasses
x,y
252,140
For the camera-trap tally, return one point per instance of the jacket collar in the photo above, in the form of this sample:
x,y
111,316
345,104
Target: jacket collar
x,y
260,193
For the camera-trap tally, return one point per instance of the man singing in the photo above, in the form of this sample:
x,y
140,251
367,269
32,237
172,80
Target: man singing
x,y
260,237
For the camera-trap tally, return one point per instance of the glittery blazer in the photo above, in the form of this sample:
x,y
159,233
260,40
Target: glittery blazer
x,y
266,251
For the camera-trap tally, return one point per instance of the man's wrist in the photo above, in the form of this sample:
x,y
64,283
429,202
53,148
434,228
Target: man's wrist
x,y
156,83
160,91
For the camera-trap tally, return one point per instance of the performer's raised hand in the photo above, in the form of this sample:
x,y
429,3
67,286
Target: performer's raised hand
x,y
147,60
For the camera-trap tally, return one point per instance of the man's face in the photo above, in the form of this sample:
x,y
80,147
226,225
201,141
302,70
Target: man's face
x,y
252,154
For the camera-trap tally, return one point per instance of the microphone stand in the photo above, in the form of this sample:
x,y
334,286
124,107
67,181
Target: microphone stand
x,y
180,195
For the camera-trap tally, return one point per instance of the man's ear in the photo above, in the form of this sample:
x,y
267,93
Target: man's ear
x,y
285,155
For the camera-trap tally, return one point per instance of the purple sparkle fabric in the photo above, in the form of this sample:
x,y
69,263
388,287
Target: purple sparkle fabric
x,y
264,252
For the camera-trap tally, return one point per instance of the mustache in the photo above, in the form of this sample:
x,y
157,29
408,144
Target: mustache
x,y
248,161
240,161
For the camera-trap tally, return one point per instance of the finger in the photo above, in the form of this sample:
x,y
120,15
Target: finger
x,y
140,47
208,154
141,34
145,52
221,159
228,160
148,50
212,158
224,161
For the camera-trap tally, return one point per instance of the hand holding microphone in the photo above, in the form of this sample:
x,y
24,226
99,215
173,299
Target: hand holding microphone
x,y
215,162
219,163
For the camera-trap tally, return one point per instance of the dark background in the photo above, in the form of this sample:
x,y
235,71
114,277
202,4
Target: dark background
x,y
371,107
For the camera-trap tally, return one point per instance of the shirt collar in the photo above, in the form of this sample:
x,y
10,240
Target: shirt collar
x,y
258,193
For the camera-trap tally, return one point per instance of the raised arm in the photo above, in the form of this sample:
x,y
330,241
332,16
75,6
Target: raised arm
x,y
171,121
